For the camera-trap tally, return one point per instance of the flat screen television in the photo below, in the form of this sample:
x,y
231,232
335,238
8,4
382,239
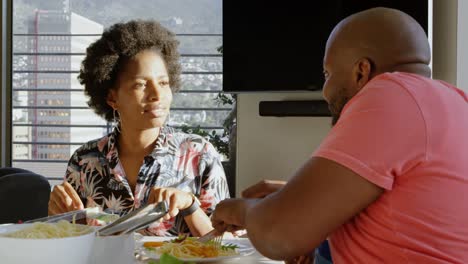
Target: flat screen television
x,y
279,45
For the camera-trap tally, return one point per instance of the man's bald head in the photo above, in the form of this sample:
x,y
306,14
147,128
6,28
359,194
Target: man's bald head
x,y
368,43
389,37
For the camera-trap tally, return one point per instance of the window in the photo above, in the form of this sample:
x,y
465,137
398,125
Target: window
x,y
49,112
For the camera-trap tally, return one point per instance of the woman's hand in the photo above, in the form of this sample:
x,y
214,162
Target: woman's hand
x,y
64,199
178,200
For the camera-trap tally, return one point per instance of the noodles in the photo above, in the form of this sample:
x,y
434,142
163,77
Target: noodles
x,y
190,248
46,230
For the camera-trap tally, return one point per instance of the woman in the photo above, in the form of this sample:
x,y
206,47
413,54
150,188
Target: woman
x,y
130,74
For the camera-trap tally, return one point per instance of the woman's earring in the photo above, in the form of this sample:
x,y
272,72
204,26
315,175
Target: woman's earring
x,y
116,122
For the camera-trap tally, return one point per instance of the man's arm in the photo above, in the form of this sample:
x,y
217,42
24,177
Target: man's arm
x,y
262,188
321,197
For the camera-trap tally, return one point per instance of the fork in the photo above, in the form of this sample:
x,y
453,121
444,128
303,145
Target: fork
x,y
217,240
213,236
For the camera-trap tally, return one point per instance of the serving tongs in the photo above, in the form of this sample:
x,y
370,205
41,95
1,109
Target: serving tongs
x,y
68,216
136,220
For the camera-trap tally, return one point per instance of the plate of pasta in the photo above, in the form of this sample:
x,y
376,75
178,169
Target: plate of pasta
x,y
190,250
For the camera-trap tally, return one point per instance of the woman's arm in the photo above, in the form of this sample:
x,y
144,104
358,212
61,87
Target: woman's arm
x,y
64,197
181,202
213,189
198,222
211,186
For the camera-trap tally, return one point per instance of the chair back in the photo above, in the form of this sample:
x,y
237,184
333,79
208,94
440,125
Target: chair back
x,y
23,196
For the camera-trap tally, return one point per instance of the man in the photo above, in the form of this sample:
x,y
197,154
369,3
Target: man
x,y
389,184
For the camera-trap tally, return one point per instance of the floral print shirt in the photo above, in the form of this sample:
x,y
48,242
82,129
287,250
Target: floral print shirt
x,y
179,160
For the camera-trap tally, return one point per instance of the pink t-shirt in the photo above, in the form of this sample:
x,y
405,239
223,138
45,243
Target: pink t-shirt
x,y
409,135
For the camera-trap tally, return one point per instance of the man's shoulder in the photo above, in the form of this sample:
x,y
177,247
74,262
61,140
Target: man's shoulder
x,y
386,99
388,89
411,82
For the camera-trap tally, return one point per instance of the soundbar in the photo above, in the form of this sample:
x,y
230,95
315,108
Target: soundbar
x,y
294,108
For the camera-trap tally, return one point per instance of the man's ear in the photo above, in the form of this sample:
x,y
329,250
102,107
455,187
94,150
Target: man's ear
x,y
112,99
362,72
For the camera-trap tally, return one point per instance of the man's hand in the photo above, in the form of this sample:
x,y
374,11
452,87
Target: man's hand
x,y
262,189
229,215
64,199
178,200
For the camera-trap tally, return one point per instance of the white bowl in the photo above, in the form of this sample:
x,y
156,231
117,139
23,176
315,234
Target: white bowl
x,y
70,250
113,250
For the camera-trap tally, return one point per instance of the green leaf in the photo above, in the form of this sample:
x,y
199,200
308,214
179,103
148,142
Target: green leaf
x,y
229,246
180,238
169,259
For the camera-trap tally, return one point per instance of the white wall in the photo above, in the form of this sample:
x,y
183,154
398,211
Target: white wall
x,y
462,45
444,44
450,42
274,147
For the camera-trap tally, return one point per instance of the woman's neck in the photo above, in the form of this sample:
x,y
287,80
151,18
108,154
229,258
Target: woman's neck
x,y
137,142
